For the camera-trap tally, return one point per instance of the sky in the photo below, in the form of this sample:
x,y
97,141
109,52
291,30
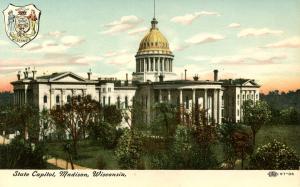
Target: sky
x,y
258,39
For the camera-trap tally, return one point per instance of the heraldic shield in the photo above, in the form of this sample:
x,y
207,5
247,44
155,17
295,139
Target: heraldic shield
x,y
21,23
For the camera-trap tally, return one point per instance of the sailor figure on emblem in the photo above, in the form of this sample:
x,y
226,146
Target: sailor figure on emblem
x,y
11,22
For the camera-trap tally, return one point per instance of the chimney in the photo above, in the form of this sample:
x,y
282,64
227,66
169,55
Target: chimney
x,y
161,78
25,73
126,81
89,74
19,75
215,75
33,74
196,77
185,74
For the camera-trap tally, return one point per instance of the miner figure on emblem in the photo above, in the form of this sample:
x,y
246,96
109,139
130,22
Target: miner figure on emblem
x,y
32,18
11,22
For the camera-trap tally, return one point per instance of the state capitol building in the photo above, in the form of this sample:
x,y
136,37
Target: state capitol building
x,y
152,82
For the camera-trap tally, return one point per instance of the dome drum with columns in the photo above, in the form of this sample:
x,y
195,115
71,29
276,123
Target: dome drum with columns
x,y
154,57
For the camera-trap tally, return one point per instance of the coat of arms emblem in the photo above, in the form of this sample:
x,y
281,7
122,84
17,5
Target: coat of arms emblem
x,y
21,23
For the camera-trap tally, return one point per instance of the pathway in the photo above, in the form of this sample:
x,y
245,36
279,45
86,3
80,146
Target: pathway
x,y
60,163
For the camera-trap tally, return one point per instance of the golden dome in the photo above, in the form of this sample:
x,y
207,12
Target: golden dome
x,y
154,42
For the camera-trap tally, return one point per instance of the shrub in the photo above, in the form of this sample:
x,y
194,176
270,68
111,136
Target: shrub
x,y
20,154
274,155
129,149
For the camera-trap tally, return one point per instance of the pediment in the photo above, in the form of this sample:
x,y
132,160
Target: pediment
x,y
250,83
68,77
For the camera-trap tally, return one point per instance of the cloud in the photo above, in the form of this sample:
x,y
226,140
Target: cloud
x,y
258,32
234,25
252,56
204,38
293,42
122,57
138,31
71,40
88,59
60,45
125,23
189,18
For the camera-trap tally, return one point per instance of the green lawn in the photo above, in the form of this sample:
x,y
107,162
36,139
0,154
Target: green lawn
x,y
88,153
288,134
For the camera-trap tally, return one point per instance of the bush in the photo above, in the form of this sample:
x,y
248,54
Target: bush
x,y
106,134
188,153
129,149
274,155
20,154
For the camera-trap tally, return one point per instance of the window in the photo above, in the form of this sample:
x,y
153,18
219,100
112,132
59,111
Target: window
x,y
118,102
109,89
109,101
187,102
68,99
89,97
126,102
238,96
45,99
79,98
238,112
256,96
243,97
103,90
103,101
57,99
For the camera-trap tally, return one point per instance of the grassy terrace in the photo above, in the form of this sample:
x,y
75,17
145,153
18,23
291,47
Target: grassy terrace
x,y
88,153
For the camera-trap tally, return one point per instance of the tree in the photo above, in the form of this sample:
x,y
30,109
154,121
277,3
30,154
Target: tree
x,y
74,117
22,154
129,149
112,115
274,155
165,121
256,115
25,119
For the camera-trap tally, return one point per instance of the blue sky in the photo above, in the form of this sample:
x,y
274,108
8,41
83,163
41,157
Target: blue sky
x,y
251,39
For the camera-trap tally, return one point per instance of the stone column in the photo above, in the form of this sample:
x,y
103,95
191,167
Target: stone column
x,y
205,104
51,98
194,97
159,96
169,96
181,108
62,99
25,95
163,64
220,106
215,106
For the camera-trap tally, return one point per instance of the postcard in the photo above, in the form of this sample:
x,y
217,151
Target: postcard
x,y
179,93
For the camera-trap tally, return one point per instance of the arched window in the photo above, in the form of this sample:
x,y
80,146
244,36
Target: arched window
x,y
57,99
45,99
126,102
68,99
